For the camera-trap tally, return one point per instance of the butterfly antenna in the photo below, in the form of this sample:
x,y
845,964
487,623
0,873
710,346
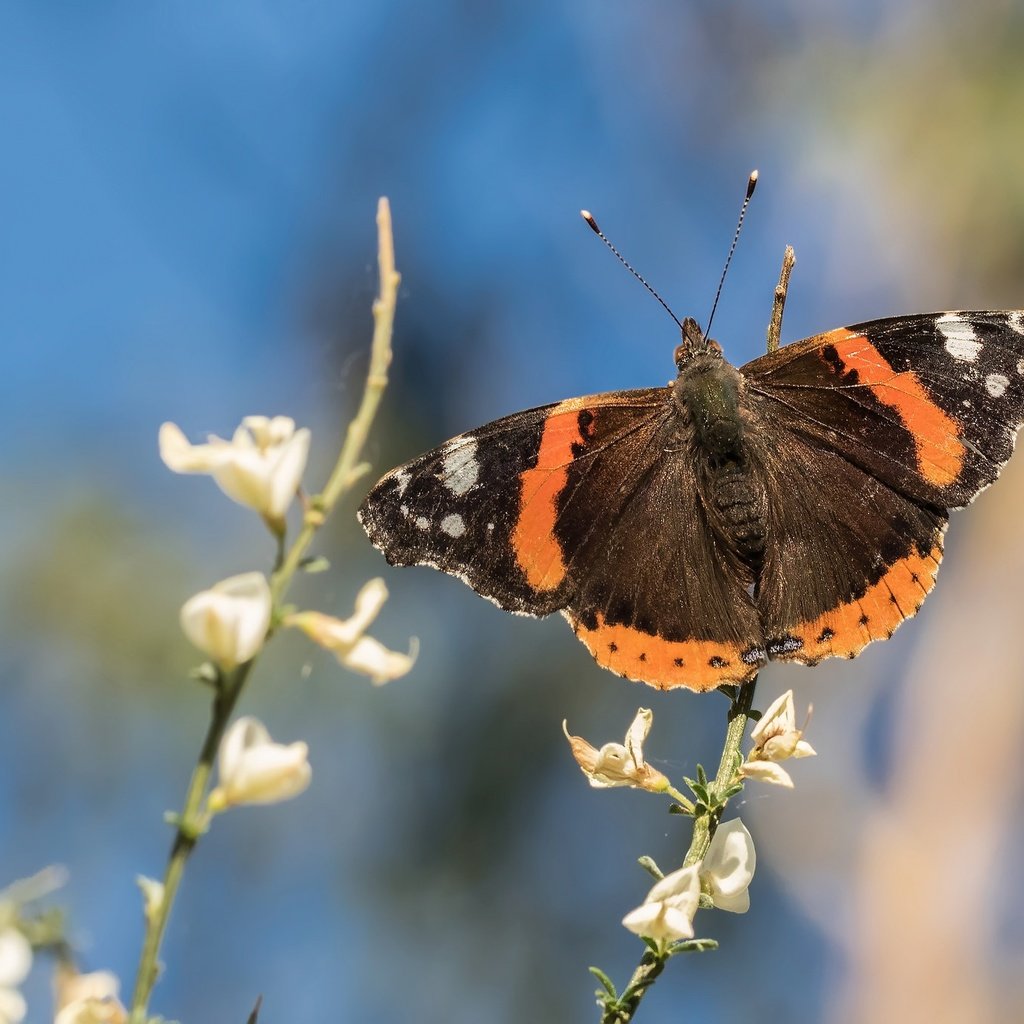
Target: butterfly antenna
x,y
586,215
751,185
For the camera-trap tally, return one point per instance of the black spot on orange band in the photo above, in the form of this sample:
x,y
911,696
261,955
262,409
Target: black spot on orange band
x,y
696,664
850,627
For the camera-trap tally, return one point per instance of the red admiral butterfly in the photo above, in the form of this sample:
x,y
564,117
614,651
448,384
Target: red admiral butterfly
x,y
792,509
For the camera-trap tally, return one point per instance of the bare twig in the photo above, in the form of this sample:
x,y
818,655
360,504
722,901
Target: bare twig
x,y
775,326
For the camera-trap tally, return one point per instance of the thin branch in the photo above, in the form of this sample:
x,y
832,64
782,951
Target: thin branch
x,y
775,326
652,963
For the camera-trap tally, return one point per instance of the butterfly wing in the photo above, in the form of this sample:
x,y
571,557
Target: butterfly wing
x,y
928,404
590,507
875,431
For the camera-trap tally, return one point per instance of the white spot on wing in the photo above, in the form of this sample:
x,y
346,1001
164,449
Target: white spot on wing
x,y
1015,321
961,341
1020,366
453,525
460,469
996,384
422,522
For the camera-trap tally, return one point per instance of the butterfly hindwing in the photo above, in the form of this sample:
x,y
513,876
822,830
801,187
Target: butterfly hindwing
x,y
657,599
847,558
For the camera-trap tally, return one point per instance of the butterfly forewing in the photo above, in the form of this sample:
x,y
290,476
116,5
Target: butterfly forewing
x,y
930,405
483,507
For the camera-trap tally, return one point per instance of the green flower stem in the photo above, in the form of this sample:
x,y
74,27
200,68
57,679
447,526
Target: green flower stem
x,y
191,824
728,765
684,802
192,821
623,1009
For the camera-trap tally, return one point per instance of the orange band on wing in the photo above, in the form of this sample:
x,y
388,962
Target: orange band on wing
x,y
697,664
533,540
848,629
940,455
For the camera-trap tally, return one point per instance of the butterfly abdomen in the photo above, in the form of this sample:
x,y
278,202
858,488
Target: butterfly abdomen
x,y
739,512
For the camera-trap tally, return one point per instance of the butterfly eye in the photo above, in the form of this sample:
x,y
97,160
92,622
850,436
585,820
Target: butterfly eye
x,y
681,355
714,347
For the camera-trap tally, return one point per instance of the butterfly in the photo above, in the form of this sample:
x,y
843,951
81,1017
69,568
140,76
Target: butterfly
x,y
792,509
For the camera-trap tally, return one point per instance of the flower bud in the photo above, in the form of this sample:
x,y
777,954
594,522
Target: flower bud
x,y
618,764
253,769
89,998
776,738
261,466
667,912
15,963
229,621
728,867
346,640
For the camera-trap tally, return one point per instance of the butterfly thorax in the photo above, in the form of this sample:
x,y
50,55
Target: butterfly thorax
x,y
707,397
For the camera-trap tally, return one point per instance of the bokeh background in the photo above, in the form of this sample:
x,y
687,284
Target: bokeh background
x,y
187,195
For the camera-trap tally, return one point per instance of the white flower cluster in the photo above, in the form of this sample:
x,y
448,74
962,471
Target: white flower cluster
x,y
724,875
262,467
725,872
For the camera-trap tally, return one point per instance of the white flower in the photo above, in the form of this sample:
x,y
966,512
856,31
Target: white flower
x,y
15,963
89,999
346,640
229,622
253,769
776,738
617,764
667,912
728,867
261,466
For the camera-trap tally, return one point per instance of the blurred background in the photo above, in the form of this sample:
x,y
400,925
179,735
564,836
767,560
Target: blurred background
x,y
187,198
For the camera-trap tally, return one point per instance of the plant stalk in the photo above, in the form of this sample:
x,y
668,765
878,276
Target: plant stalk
x,y
192,821
652,963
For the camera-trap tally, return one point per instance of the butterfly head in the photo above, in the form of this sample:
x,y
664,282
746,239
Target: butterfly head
x,y
694,344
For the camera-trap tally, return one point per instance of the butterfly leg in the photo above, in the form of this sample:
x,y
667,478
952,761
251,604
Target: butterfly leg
x,y
775,327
